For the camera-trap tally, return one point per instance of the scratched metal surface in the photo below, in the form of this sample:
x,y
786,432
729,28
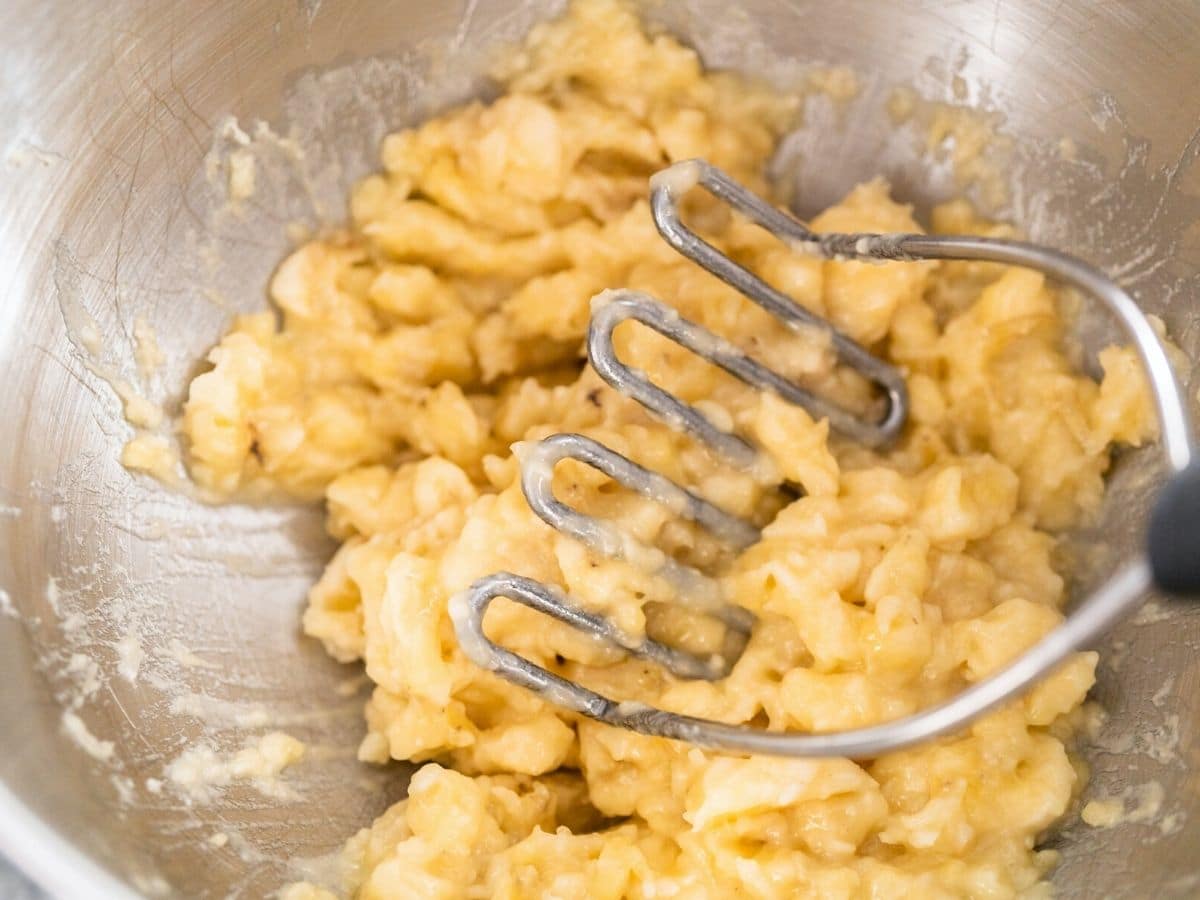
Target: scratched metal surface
x,y
109,115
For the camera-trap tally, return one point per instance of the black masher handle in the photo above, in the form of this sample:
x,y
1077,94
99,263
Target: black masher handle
x,y
1174,534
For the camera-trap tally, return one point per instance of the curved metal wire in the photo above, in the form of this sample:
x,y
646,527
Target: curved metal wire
x,y
1094,615
667,189
696,589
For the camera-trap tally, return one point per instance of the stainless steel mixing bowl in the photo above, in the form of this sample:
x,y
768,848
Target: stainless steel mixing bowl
x,y
114,140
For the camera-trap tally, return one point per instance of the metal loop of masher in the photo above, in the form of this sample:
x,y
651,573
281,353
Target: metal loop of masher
x,y
666,190
1094,615
698,591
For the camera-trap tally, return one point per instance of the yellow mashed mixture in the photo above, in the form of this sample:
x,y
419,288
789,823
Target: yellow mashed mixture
x,y
445,324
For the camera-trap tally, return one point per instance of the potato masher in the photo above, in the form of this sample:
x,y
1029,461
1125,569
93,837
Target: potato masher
x,y
1171,560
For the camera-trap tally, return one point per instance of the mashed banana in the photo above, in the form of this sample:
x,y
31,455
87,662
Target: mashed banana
x,y
445,325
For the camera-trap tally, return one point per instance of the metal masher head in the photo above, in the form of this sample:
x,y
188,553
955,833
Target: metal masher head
x,y
1171,560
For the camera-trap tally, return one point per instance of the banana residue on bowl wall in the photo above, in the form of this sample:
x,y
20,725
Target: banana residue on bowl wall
x,y
978,153
137,653
200,769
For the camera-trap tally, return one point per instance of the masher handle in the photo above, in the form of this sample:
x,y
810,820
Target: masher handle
x,y
1174,533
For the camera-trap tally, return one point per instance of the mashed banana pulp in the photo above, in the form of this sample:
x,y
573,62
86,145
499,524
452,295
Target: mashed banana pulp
x,y
445,325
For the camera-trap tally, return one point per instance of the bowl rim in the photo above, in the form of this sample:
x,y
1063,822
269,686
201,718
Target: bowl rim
x,y
53,863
